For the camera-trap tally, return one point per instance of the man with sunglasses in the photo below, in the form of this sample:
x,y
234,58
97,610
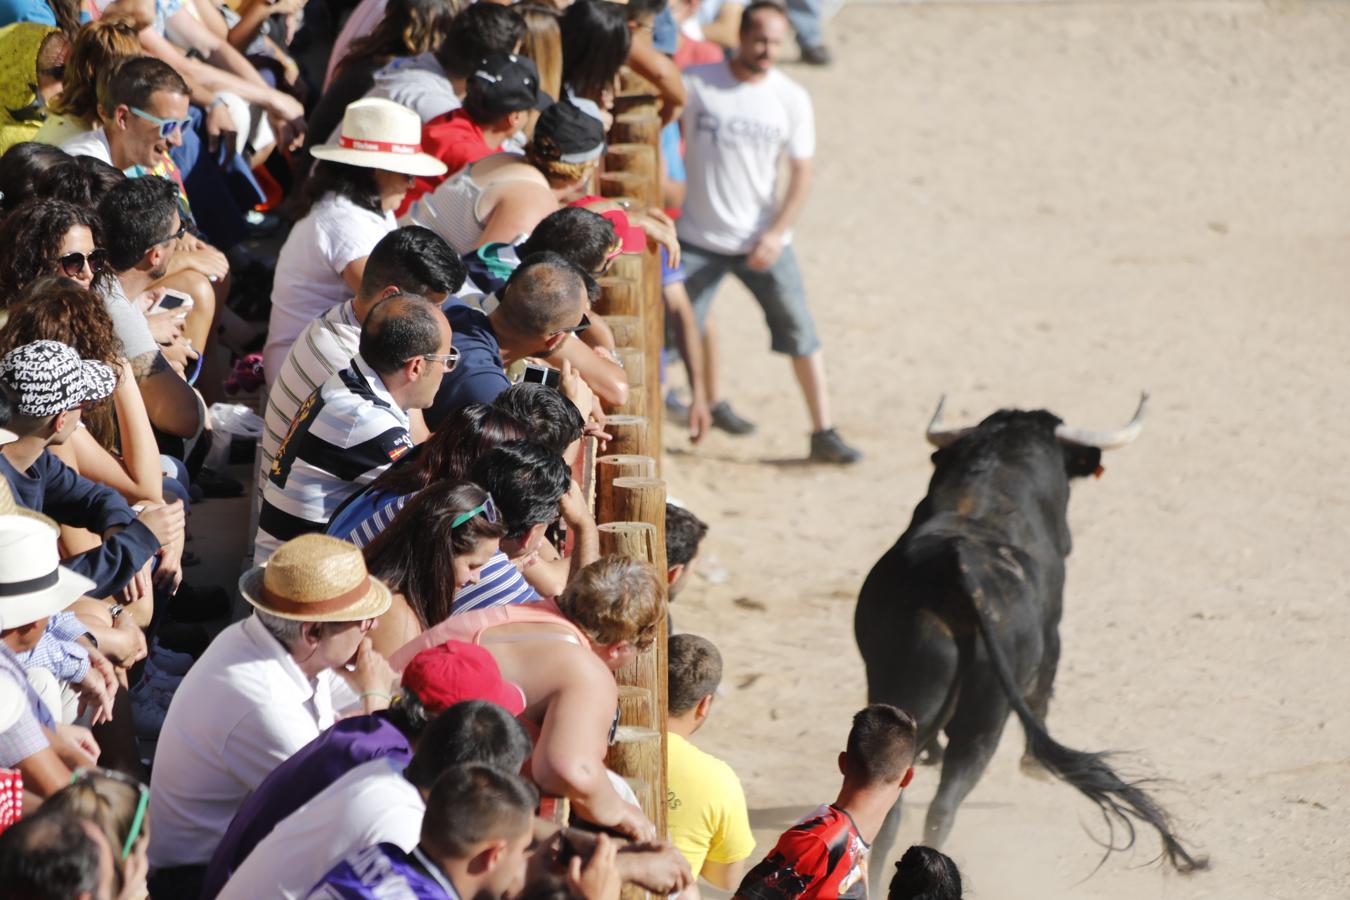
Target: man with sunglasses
x,y
141,222
542,305
144,112
355,425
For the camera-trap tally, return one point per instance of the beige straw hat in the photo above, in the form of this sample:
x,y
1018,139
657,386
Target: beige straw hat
x,y
10,507
381,134
315,578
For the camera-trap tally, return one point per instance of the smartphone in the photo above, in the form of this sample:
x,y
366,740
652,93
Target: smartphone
x,y
172,300
545,375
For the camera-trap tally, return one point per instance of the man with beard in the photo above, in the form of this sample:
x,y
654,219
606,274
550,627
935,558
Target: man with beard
x,y
141,228
743,114
543,303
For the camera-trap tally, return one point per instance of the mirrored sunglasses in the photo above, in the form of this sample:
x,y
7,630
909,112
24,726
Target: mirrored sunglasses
x,y
167,127
450,359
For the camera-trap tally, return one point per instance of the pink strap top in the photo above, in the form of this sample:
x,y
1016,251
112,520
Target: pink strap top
x,y
470,627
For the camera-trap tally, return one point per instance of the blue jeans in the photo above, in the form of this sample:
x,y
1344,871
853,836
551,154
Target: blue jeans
x,y
778,290
805,18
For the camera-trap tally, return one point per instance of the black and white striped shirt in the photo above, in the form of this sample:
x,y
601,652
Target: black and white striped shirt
x,y
344,435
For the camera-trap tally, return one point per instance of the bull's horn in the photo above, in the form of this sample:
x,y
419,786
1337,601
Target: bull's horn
x,y
1106,440
943,437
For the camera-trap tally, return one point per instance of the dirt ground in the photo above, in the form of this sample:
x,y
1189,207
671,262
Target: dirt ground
x,y
1056,205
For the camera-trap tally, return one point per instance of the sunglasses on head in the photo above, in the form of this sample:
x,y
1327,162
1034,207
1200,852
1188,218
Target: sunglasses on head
x,y
167,127
138,819
72,264
487,508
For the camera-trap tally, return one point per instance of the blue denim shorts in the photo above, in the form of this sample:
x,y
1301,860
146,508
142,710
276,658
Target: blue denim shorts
x,y
779,292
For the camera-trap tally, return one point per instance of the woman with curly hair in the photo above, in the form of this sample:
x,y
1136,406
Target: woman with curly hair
x,y
503,196
49,237
59,309
436,545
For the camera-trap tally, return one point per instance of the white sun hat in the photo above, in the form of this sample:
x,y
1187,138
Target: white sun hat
x,y
381,134
33,583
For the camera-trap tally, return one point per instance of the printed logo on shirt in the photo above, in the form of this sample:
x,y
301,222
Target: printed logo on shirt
x,y
736,131
286,452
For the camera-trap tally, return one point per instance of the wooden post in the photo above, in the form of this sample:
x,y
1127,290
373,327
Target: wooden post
x,y
627,538
639,158
635,187
634,369
638,755
627,330
620,296
630,435
627,265
637,126
607,469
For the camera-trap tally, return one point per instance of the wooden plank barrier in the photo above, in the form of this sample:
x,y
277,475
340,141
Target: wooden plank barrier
x,y
629,496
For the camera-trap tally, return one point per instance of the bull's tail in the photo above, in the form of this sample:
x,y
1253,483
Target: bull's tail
x,y
1120,801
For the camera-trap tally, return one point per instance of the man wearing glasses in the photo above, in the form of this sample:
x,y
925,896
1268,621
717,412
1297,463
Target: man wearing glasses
x,y
356,424
542,305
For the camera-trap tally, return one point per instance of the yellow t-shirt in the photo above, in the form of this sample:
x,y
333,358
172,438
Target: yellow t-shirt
x,y
707,814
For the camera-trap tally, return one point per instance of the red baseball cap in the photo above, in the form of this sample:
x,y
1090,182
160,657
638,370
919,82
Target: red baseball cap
x,y
452,672
632,239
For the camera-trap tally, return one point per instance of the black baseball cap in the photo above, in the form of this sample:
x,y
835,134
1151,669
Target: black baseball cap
x,y
566,134
505,83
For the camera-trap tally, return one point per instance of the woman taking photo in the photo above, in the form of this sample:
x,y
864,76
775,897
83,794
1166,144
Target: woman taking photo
x,y
436,545
344,208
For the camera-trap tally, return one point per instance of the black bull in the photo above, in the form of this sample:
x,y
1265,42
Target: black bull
x,y
958,623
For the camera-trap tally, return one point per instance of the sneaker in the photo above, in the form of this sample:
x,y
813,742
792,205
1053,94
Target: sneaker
x,y
827,446
675,406
725,418
817,56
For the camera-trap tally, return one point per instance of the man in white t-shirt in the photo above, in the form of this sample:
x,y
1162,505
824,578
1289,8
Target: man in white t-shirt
x,y
742,116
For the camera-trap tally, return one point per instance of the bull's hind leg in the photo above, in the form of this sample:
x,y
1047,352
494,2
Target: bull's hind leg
x,y
972,738
1039,700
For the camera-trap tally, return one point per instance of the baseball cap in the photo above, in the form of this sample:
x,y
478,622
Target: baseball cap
x,y
568,135
505,83
456,671
47,378
632,239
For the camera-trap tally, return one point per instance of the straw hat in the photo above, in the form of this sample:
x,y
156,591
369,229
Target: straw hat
x,y
315,578
10,507
381,134
33,583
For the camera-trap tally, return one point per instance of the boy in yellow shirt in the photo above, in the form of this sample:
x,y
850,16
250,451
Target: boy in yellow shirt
x,y
708,819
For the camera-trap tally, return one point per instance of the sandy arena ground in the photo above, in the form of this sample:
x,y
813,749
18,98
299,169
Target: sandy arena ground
x,y
1057,205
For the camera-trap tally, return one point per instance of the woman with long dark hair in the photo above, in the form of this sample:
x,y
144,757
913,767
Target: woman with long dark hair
x,y
49,237
342,211
467,434
409,28
595,44
436,545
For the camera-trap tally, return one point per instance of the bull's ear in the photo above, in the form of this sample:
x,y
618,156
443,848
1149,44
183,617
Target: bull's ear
x,y
1081,461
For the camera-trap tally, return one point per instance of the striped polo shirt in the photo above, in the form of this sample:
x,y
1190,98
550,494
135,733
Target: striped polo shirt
x,y
344,435
327,344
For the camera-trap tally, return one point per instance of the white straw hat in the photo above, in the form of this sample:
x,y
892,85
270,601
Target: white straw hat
x,y
316,578
381,134
33,583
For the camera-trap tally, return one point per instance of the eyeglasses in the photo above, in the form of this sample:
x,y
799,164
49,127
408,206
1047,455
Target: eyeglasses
x,y
450,359
578,328
138,819
487,508
72,264
167,127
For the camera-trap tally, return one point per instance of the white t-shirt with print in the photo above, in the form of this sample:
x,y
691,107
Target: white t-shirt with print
x,y
308,278
735,134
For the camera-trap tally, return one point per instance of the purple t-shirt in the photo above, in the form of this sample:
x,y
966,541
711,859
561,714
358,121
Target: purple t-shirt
x,y
383,872
298,780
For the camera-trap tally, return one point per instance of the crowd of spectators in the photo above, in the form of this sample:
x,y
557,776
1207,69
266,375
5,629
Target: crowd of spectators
x,y
375,215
